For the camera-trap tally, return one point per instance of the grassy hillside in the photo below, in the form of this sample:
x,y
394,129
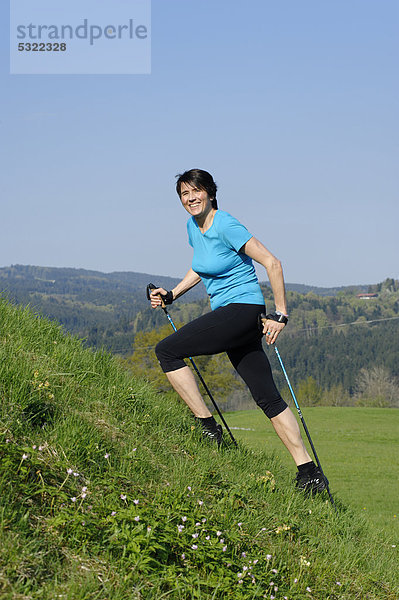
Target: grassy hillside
x,y
107,493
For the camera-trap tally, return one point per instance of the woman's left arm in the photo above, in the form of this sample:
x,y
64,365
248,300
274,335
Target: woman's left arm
x,y
258,252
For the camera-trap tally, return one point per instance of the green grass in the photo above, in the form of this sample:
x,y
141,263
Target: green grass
x,y
99,471
358,449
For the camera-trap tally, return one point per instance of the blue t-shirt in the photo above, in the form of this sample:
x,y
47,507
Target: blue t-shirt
x,y
229,275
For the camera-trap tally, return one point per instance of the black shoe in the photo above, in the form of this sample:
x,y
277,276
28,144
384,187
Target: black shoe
x,y
314,482
213,436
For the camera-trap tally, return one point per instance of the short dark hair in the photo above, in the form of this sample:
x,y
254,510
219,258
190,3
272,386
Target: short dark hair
x,y
199,179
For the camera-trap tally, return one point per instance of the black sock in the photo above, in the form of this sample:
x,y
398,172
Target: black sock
x,y
207,423
307,467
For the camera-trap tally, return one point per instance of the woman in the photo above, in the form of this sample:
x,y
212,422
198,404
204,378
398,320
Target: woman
x,y
223,254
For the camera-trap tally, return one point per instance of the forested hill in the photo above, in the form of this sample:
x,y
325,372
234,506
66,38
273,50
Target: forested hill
x,y
328,338
101,307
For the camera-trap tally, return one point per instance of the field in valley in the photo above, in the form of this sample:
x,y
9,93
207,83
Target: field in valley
x,y
358,449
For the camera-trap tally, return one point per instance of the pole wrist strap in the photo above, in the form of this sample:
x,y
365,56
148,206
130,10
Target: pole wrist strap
x,y
277,317
167,298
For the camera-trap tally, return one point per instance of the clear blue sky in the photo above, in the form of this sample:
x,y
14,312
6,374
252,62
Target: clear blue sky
x,y
292,106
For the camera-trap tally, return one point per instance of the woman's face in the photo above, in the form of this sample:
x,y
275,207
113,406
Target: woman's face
x,y
196,202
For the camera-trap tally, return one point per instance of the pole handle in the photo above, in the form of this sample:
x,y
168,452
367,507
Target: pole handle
x,y
151,287
261,321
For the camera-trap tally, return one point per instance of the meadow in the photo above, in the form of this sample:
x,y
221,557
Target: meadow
x,y
108,492
358,449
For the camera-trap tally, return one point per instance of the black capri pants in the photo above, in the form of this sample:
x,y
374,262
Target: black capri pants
x,y
232,329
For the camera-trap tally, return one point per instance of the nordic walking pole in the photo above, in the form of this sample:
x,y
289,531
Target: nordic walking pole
x,y
150,287
263,318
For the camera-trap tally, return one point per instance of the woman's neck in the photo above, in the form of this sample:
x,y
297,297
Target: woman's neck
x,y
205,221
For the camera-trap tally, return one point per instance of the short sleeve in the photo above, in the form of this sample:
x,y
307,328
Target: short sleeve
x,y
234,234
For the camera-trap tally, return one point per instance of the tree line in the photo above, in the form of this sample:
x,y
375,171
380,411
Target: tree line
x,y
349,368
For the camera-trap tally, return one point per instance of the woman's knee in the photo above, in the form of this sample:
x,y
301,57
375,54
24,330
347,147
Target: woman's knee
x,y
167,358
271,406
162,353
160,349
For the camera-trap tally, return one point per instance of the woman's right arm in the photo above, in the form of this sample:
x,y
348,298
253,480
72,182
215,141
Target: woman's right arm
x,y
189,281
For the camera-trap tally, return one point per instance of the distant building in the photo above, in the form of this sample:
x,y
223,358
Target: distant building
x,y
366,296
